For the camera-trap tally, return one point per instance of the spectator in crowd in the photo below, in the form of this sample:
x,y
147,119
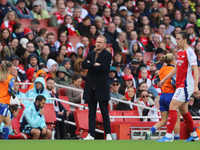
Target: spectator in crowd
x,y
52,66
28,34
129,27
11,49
106,16
17,92
112,73
162,12
83,27
179,20
81,4
139,57
118,22
85,42
144,100
192,35
22,11
34,26
110,33
14,73
68,26
114,8
129,96
115,85
80,50
168,28
101,6
118,68
75,96
136,15
57,18
43,33
161,30
78,68
62,50
153,45
118,57
141,6
44,55
197,52
177,4
193,19
39,43
154,18
5,37
192,109
129,6
122,44
135,67
134,47
144,76
93,12
159,54
9,20
38,11
55,9
32,121
58,57
186,10
123,13
70,7
73,57
31,48
92,34
62,40
163,46
174,51
31,76
67,64
77,15
5,7
197,6
145,35
17,31
50,42
167,41
170,9
20,68
98,21
128,82
33,62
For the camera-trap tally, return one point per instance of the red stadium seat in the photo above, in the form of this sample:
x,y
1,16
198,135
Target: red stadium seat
x,y
44,23
50,116
131,113
67,106
54,30
74,40
23,90
25,22
83,84
62,91
148,56
116,113
124,57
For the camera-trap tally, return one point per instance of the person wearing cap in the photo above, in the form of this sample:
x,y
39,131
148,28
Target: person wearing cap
x,y
128,81
33,62
114,91
135,67
186,10
154,18
38,12
190,30
111,34
101,6
153,45
67,63
112,73
22,11
118,68
159,54
28,34
39,43
179,20
136,14
57,19
123,13
93,12
11,49
82,3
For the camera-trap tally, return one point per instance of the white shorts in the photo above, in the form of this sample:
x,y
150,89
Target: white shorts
x,y
182,94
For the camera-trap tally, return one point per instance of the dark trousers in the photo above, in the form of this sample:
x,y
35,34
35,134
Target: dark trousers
x,y
92,104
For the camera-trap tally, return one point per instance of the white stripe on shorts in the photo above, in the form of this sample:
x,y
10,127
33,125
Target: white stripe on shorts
x,y
5,110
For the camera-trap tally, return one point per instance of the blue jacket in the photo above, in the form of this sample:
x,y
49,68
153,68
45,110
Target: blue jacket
x,y
17,35
4,10
34,93
92,17
20,15
2,124
31,117
20,95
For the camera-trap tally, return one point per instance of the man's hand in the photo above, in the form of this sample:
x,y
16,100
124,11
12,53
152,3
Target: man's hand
x,y
44,130
14,131
88,61
97,64
41,112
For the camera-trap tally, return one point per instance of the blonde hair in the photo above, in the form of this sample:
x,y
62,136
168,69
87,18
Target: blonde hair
x,y
101,36
143,35
7,15
4,70
125,42
168,58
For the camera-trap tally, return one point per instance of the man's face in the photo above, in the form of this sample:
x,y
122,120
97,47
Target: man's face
x,y
129,5
156,38
161,29
34,27
123,12
30,47
198,9
139,57
111,28
15,62
143,87
185,4
3,2
77,13
141,6
129,27
61,9
50,39
192,18
127,70
85,41
38,86
115,86
166,21
33,61
50,85
41,104
16,86
107,12
100,2
100,44
134,66
93,9
98,24
21,4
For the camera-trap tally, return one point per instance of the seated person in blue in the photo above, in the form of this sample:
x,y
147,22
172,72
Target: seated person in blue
x,y
32,121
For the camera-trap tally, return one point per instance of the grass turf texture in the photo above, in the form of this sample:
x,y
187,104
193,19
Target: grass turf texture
x,y
96,145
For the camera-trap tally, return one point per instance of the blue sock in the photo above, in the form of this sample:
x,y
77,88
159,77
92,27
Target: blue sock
x,y
5,132
1,135
153,129
176,136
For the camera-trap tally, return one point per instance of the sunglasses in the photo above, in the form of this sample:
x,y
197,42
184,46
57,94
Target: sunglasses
x,y
166,37
115,84
143,96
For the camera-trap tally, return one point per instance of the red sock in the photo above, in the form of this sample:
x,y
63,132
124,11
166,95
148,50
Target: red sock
x,y
171,120
188,121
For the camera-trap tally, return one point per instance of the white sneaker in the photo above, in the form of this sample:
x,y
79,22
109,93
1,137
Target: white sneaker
x,y
108,137
88,137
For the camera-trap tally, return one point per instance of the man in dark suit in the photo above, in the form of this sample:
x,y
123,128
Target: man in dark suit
x,y
97,87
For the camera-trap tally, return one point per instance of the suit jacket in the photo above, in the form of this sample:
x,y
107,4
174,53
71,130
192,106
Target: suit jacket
x,y
98,76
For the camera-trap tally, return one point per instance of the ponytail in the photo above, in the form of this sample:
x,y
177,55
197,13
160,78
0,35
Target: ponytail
x,y
168,58
4,70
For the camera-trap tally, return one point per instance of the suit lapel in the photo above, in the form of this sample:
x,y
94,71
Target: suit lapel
x,y
100,57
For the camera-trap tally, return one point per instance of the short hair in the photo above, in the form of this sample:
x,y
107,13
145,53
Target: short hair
x,y
29,43
50,33
166,16
98,19
174,47
16,26
93,5
13,108
130,23
40,98
50,78
77,7
35,21
101,36
76,76
86,18
141,83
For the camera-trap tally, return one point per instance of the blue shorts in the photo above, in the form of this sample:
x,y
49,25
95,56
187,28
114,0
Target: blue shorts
x,y
4,109
165,99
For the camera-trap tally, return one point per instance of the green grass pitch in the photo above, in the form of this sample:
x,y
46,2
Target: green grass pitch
x,y
96,145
